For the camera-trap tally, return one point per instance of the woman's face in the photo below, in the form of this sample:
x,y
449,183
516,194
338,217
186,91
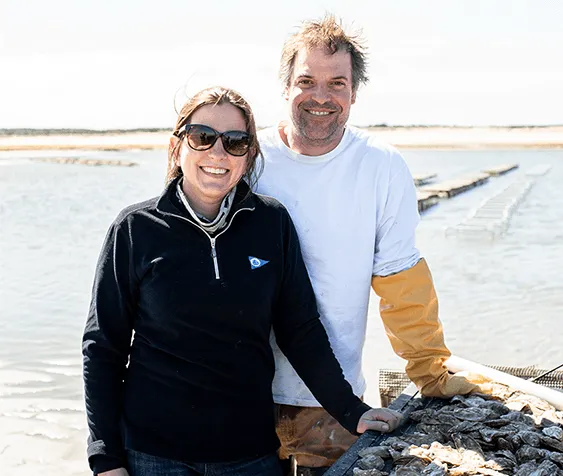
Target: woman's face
x,y
209,175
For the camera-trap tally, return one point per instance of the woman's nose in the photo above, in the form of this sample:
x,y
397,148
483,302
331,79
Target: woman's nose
x,y
218,151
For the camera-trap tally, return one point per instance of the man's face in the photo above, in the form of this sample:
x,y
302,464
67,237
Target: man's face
x,y
320,96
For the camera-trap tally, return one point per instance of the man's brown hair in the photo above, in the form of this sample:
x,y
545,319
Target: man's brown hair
x,y
329,34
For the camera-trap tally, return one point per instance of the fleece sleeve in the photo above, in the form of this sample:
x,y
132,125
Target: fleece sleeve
x,y
105,348
303,339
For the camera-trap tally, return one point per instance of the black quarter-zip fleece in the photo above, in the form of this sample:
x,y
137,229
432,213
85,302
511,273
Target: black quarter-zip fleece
x,y
177,358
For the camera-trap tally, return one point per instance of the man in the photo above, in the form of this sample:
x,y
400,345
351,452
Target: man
x,y
354,204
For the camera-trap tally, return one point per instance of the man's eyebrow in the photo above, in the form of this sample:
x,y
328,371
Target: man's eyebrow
x,y
308,76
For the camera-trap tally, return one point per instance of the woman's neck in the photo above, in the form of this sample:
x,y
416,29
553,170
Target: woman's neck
x,y
208,209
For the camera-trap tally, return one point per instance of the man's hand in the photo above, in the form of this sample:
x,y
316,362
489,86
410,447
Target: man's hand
x,y
379,419
115,472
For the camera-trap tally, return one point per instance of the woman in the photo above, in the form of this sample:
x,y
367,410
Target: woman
x,y
201,275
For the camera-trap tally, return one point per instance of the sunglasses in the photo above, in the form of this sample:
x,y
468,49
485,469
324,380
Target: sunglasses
x,y
200,137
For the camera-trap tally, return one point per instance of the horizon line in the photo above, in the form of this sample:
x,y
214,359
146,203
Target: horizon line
x,y
75,130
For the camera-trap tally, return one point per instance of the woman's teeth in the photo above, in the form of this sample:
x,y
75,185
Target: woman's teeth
x,y
214,170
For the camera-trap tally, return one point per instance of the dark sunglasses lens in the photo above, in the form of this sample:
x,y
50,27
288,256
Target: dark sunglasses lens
x,y
201,137
236,142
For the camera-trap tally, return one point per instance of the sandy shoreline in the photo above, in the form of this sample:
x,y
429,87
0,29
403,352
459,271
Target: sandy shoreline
x,y
402,137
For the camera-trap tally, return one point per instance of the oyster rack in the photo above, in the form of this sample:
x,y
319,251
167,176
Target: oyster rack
x,y
492,217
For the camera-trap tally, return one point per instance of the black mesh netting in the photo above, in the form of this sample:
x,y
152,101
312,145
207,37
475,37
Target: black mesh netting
x,y
393,382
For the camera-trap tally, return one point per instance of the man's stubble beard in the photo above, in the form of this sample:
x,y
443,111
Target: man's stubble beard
x,y
302,127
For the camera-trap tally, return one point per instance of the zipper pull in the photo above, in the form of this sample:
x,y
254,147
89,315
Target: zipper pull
x,y
214,257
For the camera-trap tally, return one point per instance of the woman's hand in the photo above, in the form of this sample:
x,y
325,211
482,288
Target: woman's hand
x,y
379,419
115,472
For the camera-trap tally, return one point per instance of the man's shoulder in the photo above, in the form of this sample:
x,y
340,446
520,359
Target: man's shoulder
x,y
372,143
370,148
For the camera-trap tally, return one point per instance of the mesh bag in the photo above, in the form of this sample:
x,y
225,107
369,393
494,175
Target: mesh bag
x,y
393,382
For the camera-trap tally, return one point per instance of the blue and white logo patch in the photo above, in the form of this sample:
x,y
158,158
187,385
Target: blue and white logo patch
x,y
256,262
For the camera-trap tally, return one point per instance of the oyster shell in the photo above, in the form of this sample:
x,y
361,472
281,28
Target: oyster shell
x,y
556,458
368,472
505,433
529,453
371,462
381,451
552,443
436,469
467,442
529,438
547,468
554,432
525,469
473,414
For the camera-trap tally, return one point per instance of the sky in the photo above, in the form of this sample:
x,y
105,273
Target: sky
x,y
129,64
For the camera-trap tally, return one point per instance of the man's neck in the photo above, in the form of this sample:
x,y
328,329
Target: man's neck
x,y
305,146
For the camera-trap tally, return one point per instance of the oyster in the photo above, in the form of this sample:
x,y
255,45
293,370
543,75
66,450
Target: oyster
x,y
505,433
553,432
371,462
436,469
368,472
552,443
556,458
529,438
381,451
403,471
529,453
473,414
547,468
467,442
504,444
466,427
526,469
445,454
395,443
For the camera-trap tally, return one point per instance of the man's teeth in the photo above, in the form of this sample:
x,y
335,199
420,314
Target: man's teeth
x,y
320,113
214,170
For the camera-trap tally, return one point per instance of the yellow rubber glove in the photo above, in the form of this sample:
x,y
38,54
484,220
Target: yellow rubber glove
x,y
409,310
463,383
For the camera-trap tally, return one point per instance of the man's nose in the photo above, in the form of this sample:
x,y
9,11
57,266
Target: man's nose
x,y
321,94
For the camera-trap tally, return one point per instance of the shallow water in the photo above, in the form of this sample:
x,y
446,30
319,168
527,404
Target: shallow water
x,y
501,301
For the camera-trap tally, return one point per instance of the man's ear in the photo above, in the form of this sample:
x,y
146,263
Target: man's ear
x,y
353,97
174,149
286,93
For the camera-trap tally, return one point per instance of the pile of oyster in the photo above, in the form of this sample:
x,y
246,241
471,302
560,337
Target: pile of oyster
x,y
507,432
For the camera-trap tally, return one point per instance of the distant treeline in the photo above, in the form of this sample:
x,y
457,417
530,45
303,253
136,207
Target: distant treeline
x,y
95,132
52,132
442,126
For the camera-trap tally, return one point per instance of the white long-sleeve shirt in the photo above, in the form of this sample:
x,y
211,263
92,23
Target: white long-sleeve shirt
x,y
355,210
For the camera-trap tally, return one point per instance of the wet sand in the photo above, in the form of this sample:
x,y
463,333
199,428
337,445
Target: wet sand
x,y
454,138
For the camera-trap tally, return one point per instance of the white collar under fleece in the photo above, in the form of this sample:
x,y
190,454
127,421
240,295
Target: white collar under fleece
x,y
219,221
